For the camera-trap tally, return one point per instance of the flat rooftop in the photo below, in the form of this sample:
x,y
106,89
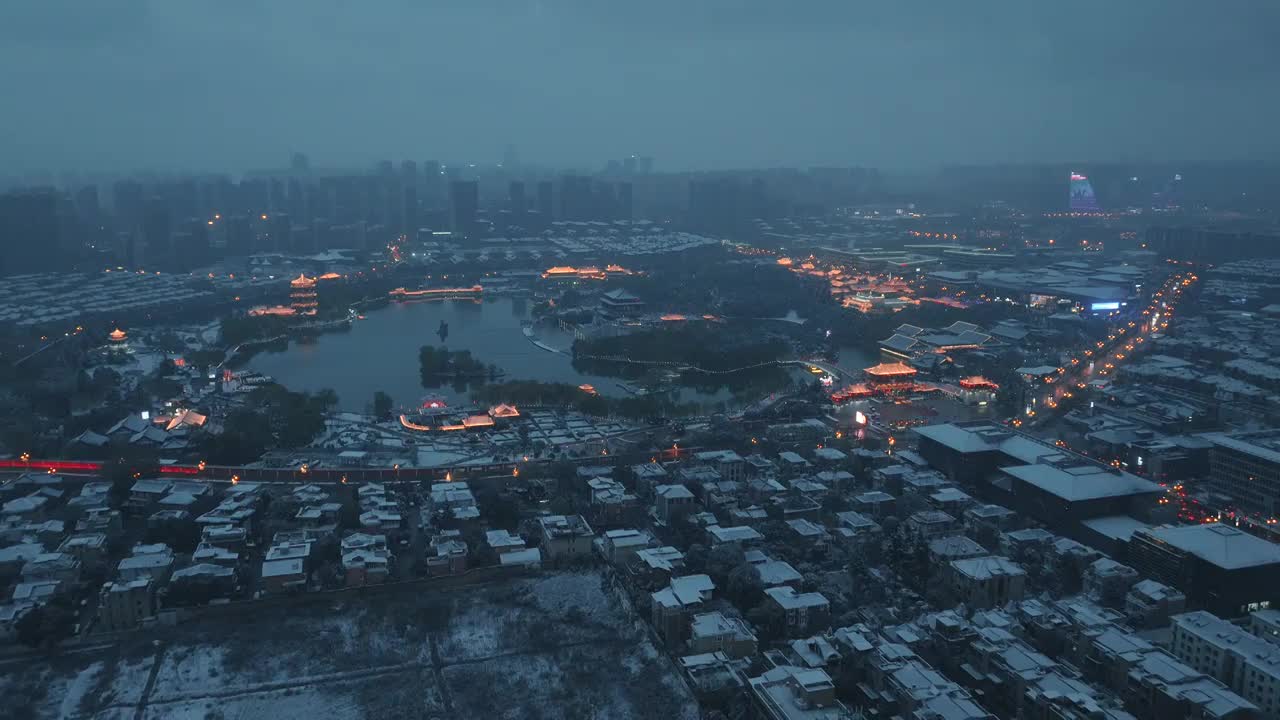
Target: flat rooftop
x,y
1219,544
1082,482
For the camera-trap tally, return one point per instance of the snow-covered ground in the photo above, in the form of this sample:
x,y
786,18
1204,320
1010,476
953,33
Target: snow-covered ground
x,y
551,646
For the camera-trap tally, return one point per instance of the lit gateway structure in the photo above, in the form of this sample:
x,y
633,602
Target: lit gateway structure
x,y
1082,197
302,295
883,379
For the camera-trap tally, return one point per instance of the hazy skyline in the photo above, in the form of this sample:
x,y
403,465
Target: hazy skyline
x,y
173,84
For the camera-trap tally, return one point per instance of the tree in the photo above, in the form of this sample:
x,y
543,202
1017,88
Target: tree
x,y
382,405
498,509
46,625
722,560
1070,579
744,587
987,536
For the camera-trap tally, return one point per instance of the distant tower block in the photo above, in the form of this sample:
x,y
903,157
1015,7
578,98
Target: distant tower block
x,y
1082,197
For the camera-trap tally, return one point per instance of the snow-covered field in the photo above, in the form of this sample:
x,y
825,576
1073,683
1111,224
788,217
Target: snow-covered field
x,y
558,645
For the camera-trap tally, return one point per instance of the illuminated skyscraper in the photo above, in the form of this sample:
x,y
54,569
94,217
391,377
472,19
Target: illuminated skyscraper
x,y
1082,197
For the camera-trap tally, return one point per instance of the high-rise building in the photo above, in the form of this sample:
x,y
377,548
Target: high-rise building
x,y
409,174
576,201
432,185
239,235
1082,198
517,202
411,210
300,164
31,231
87,206
157,233
464,203
547,200
1199,244
192,245
626,201
127,201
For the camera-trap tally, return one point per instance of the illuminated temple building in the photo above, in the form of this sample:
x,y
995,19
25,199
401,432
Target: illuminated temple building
x,y
302,299
437,416
909,341
441,292
977,389
302,295
590,272
883,379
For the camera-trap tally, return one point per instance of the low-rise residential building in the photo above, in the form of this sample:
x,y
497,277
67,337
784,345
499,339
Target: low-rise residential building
x,y
792,693
654,567
1150,604
714,677
985,582
447,554
201,583
716,632
1246,663
206,553
1108,581
742,535
503,541
527,559
729,464
995,518
564,536
672,606
620,546
799,614
1265,624
148,492
125,605
89,548
875,504
1159,687
648,476
283,575
365,559
855,526
231,537
52,567
930,524
954,547
772,572
672,503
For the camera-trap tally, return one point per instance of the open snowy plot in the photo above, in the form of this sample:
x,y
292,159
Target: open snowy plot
x,y
535,614
408,694
293,646
63,687
372,656
123,681
586,681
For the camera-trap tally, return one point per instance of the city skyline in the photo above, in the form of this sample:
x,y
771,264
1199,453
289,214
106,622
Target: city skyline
x,y
169,86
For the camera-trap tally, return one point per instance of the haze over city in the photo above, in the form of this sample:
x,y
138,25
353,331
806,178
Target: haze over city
x,y
700,360
138,84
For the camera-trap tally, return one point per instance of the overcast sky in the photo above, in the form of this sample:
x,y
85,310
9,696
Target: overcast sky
x,y
117,85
